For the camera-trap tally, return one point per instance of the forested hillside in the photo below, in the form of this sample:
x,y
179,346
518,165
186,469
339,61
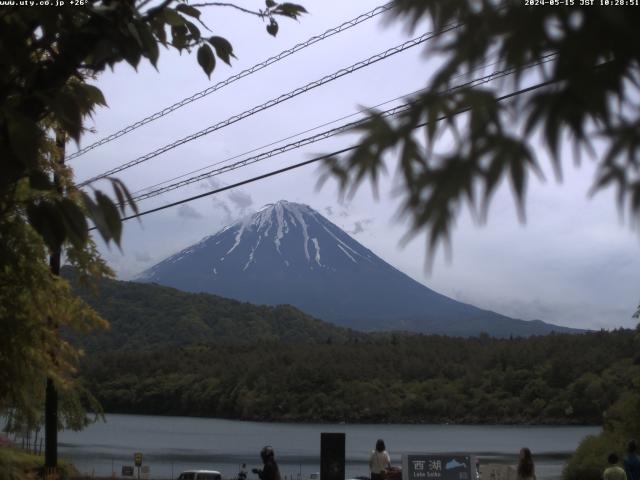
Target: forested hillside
x,y
145,316
557,379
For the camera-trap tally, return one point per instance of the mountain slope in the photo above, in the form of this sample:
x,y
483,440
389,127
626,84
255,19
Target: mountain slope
x,y
145,316
288,253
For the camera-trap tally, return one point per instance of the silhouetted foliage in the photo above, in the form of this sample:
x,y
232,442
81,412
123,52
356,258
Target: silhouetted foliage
x,y
49,57
455,146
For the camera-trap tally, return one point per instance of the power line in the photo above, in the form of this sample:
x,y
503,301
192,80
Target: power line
x,y
321,136
143,191
259,66
256,149
271,103
543,59
320,158
239,184
262,156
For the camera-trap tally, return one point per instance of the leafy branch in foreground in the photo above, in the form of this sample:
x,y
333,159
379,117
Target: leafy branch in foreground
x,y
472,141
49,57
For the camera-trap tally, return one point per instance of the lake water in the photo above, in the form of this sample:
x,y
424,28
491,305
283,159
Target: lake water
x,y
173,444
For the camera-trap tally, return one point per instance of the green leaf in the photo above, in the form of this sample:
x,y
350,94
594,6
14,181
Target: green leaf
x,y
223,48
272,28
24,137
121,190
188,10
206,59
149,44
172,17
158,27
67,111
110,215
291,10
134,33
39,180
193,30
46,219
179,36
131,53
122,202
97,216
75,222
94,94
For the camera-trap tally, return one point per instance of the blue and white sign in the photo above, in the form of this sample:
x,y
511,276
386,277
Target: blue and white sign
x,y
438,467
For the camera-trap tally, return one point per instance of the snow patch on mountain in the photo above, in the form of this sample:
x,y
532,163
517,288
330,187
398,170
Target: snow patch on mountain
x,y
347,253
237,242
317,245
287,253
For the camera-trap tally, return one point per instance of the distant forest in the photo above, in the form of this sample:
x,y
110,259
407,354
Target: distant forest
x,y
555,379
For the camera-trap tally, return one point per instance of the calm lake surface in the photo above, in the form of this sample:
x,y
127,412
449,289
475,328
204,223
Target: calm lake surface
x,y
173,444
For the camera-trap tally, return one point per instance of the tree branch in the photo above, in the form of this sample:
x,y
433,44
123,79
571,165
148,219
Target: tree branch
x,y
142,4
225,4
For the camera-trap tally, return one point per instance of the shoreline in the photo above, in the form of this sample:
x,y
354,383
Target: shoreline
x,y
182,443
515,422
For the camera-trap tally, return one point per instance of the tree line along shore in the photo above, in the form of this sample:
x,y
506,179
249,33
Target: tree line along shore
x,y
555,379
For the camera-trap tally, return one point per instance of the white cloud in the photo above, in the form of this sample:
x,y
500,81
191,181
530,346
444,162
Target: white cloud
x,y
142,257
241,200
188,212
359,226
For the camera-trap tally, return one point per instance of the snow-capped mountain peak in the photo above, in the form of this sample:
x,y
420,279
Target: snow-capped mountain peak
x,y
288,222
288,253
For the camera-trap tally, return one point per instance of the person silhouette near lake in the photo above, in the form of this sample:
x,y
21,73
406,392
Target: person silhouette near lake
x,y
242,473
526,468
614,471
632,461
379,461
270,470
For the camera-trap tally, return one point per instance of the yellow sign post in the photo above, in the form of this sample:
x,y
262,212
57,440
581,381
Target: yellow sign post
x,y
137,459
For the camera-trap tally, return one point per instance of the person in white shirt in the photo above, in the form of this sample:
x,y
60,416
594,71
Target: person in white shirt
x,y
379,461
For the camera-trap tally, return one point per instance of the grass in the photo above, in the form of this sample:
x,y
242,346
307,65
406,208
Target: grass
x,y
16,464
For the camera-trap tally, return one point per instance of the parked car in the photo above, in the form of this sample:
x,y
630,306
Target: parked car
x,y
200,475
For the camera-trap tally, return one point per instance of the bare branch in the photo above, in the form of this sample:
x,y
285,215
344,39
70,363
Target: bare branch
x,y
225,4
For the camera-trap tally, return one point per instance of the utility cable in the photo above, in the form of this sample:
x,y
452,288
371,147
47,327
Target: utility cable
x,y
289,137
148,193
139,193
259,66
271,103
320,158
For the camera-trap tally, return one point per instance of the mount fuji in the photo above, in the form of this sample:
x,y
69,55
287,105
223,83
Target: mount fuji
x,y
288,253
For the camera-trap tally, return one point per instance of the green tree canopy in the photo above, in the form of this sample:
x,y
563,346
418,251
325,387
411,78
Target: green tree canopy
x,y
48,57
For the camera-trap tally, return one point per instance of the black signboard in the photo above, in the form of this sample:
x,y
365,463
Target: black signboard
x,y
127,471
332,456
438,467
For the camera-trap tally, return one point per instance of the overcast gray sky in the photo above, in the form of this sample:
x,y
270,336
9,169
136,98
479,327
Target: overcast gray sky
x,y
574,262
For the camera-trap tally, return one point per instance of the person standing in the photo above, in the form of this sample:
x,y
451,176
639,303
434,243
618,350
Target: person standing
x,y
614,471
242,473
526,469
270,470
632,461
379,461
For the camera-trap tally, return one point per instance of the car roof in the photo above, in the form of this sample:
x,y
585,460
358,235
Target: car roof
x,y
201,471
